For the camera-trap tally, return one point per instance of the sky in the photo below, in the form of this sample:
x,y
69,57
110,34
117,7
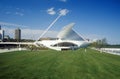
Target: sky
x,y
94,19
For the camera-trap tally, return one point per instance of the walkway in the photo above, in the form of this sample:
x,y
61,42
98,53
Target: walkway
x,y
12,49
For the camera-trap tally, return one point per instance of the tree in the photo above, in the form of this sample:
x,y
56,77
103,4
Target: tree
x,y
100,43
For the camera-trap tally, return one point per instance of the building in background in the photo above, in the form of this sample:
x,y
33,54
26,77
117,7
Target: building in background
x,y
17,34
7,38
1,34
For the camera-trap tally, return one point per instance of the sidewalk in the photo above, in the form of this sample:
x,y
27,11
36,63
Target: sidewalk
x,y
115,51
12,49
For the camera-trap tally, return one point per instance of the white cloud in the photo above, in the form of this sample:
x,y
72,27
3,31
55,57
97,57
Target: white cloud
x,y
26,33
11,24
35,34
9,31
16,11
63,0
19,13
29,33
19,9
93,36
63,12
51,11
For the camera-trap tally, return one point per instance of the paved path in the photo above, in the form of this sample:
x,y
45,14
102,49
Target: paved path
x,y
18,43
115,51
10,50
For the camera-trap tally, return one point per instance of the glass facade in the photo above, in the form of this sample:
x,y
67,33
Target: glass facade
x,y
64,44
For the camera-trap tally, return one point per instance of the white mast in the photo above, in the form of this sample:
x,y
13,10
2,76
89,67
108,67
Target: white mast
x,y
62,12
49,27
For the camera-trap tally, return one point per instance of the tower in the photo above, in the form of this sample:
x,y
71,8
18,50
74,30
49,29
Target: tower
x,y
18,34
1,34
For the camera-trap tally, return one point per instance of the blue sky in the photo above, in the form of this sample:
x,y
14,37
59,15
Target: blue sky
x,y
94,19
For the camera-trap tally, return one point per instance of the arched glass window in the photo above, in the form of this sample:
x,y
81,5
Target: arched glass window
x,y
64,44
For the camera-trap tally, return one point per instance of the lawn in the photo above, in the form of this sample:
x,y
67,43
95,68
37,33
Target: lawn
x,y
50,64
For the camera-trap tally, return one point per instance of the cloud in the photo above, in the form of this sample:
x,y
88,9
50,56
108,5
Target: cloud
x,y
16,11
26,33
51,11
19,9
11,24
63,12
29,33
35,34
19,13
63,0
94,36
8,31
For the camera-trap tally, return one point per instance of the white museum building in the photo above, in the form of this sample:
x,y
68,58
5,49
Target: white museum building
x,y
67,39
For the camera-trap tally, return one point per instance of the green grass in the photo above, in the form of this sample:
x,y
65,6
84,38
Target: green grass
x,y
49,64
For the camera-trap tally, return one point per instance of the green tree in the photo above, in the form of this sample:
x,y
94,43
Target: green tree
x,y
100,43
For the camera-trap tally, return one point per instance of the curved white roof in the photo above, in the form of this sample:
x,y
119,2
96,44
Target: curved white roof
x,y
69,39
67,33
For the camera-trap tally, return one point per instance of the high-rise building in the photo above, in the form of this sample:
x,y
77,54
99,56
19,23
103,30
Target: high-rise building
x,y
17,34
1,34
